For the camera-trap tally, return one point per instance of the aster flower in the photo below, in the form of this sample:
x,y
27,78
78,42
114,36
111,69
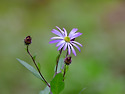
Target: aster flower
x,y
65,41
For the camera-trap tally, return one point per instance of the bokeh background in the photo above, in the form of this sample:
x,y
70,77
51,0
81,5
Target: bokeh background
x,y
98,69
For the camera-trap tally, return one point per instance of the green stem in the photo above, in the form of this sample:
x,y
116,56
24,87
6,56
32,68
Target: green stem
x,y
57,61
65,66
36,66
64,72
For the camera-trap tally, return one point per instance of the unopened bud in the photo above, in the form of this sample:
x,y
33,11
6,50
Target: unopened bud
x,y
28,40
67,60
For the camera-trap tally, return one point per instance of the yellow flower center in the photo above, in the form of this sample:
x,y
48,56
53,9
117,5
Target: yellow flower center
x,y
67,39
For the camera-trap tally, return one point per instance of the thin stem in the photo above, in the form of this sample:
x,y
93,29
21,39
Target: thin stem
x,y
65,66
64,72
57,61
37,66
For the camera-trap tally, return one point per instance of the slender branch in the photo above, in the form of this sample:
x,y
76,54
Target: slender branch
x,y
64,72
65,66
57,61
37,66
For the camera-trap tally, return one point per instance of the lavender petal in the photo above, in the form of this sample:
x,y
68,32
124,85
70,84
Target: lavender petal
x,y
69,50
54,41
61,42
65,32
60,30
73,50
65,46
72,32
77,43
56,38
61,46
76,46
57,32
76,35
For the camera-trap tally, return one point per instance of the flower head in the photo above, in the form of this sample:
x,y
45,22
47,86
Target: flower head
x,y
65,41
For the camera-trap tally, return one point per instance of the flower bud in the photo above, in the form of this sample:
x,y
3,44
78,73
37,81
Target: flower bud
x,y
28,40
67,60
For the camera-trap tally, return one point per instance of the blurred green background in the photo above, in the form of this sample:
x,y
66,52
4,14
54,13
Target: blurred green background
x,y
98,69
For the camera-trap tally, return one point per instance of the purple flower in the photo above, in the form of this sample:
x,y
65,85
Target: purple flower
x,y
66,41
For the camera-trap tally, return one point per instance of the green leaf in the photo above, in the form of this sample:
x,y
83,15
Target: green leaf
x,y
31,69
25,49
57,84
45,91
39,66
60,65
34,57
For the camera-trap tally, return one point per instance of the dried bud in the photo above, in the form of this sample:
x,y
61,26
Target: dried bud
x,y
28,40
67,60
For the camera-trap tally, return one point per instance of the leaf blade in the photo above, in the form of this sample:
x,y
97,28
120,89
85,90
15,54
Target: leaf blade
x,y
57,84
30,68
45,91
60,65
